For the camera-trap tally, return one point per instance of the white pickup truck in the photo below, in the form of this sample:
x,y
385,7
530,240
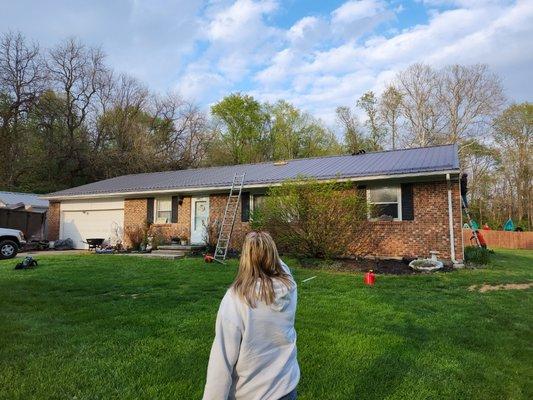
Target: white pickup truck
x,y
11,241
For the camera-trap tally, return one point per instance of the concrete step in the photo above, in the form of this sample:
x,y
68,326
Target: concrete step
x,y
166,251
155,255
179,247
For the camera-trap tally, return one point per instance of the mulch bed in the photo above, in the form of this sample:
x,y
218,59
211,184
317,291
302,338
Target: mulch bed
x,y
388,267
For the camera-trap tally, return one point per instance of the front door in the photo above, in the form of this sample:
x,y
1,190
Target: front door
x,y
199,219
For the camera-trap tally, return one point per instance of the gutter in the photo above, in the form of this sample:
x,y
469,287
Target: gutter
x,y
200,189
450,220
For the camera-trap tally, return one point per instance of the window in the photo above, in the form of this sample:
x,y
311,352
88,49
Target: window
x,y
385,202
163,210
258,201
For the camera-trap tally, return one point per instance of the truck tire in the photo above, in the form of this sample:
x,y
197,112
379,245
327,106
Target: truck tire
x,y
8,249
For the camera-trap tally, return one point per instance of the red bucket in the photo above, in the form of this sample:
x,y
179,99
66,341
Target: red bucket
x,y
369,278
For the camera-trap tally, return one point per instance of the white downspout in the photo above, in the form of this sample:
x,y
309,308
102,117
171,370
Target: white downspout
x,y
450,219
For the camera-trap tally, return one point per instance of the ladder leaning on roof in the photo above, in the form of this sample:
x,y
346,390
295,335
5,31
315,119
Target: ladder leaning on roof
x,y
474,233
228,221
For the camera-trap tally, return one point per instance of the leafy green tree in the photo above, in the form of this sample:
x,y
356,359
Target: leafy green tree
x,y
368,102
389,110
482,162
130,137
287,129
243,130
296,134
21,81
354,139
513,133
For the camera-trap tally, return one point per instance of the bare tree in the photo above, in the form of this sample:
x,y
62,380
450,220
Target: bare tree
x,y
187,136
76,72
353,136
470,97
389,111
419,86
448,105
21,82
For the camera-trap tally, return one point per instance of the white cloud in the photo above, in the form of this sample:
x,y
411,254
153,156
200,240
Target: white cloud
x,y
148,39
237,38
195,84
356,17
241,22
356,10
209,48
498,34
277,72
308,32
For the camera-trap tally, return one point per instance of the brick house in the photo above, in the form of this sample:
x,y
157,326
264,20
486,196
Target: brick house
x,y
417,189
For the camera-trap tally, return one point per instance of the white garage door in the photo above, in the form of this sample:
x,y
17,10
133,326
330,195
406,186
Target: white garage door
x,y
83,220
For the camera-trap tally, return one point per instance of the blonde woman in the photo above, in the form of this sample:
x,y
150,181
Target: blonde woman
x,y
254,352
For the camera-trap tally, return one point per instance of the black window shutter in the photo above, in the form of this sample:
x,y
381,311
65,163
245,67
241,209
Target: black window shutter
x,y
175,202
408,213
360,191
245,207
150,210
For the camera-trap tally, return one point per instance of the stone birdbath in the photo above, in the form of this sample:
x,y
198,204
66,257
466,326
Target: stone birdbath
x,y
427,264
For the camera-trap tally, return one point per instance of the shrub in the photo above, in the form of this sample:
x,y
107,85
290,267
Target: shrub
x,y
313,219
477,255
156,237
136,236
211,231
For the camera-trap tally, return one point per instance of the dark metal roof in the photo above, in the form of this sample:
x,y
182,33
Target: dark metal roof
x,y
393,162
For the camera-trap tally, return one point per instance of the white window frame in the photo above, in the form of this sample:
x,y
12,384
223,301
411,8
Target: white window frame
x,y
157,200
252,203
252,200
399,197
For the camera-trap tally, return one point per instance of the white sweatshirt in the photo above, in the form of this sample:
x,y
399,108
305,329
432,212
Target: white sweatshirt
x,y
254,352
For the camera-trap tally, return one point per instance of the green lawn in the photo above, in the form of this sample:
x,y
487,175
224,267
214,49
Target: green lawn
x,y
116,327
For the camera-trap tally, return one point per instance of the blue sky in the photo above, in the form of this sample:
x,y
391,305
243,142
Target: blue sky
x,y
317,54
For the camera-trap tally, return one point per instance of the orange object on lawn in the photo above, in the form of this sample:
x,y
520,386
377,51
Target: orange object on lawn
x,y
370,278
208,258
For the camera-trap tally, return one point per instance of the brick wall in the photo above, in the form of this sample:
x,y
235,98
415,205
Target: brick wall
x,y
53,219
217,204
429,230
135,215
134,212
180,228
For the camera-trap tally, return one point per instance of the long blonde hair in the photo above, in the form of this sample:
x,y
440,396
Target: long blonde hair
x,y
259,264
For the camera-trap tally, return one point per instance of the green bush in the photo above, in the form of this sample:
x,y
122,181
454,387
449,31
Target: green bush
x,y
477,255
314,219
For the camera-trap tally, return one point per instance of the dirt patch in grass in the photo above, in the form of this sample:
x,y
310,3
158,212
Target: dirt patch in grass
x,y
507,286
392,267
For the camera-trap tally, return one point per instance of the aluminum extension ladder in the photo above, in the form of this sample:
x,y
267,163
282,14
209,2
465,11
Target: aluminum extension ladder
x,y
228,221
470,222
